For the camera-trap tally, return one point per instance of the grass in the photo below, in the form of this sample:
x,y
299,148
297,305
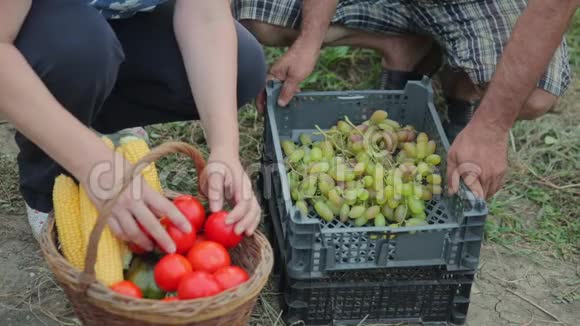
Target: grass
x,y
537,208
339,68
573,39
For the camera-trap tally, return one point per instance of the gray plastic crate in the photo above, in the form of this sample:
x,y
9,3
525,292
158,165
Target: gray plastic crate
x,y
425,296
313,246
429,296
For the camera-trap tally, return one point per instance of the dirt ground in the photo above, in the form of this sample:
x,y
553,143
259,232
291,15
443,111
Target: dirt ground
x,y
511,288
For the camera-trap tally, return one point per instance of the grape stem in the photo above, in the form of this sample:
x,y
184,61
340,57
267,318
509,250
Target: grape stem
x,y
289,164
326,136
353,126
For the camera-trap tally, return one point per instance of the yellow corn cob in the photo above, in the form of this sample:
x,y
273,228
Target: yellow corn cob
x,y
134,149
109,265
108,142
126,254
65,198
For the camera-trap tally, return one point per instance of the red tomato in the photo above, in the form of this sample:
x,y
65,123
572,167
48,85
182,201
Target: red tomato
x,y
135,248
217,230
231,276
183,241
208,256
198,284
169,271
200,237
127,288
169,299
192,209
144,230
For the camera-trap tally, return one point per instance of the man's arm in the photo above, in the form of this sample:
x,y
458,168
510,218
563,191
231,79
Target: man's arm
x,y
534,40
301,58
316,17
479,153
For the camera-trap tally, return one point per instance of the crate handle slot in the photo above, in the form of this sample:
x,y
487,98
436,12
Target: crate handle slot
x,y
350,98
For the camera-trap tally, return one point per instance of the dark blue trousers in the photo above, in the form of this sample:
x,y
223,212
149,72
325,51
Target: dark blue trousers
x,y
112,75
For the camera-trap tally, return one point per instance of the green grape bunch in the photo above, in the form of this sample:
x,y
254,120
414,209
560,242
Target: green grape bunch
x,y
374,173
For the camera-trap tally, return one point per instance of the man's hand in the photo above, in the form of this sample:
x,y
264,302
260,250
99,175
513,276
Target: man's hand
x,y
479,156
292,68
297,64
224,179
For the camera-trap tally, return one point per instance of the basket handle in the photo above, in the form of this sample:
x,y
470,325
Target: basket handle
x,y
88,275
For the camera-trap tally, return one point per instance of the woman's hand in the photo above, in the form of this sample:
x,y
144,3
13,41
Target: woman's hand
x,y
223,179
139,205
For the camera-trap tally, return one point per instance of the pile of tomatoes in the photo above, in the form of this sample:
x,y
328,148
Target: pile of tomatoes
x,y
200,267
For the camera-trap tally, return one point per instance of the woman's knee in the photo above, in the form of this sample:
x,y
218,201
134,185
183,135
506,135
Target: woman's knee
x,y
538,104
251,66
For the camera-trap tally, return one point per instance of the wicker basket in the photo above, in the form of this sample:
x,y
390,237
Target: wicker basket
x,y
95,304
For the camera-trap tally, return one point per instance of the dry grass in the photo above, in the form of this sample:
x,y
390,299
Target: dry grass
x,y
10,198
538,207
43,299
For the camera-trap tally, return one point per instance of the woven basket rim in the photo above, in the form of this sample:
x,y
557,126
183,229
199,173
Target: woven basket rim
x,y
174,312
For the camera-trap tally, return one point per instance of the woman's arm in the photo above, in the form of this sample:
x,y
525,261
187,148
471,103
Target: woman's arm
x,y
30,107
13,13
206,34
27,103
